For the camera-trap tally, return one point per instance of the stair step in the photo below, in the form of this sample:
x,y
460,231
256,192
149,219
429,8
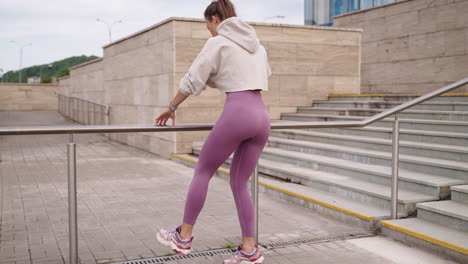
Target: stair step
x,y
405,123
420,182
330,198
449,213
427,136
428,105
408,113
456,169
459,193
437,238
303,195
351,188
396,97
450,152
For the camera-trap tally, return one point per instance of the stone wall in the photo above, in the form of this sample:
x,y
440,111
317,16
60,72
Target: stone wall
x,y
138,84
87,81
140,74
28,97
413,46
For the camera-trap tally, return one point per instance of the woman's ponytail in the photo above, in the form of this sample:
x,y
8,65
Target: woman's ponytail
x,y
223,8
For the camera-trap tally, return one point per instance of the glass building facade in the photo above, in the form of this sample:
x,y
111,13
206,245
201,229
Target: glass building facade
x,y
321,12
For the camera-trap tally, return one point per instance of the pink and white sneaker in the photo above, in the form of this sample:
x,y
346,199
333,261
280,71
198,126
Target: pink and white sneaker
x,y
171,238
241,257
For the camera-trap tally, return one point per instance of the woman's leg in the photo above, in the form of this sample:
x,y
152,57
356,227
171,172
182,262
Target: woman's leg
x,y
243,164
220,144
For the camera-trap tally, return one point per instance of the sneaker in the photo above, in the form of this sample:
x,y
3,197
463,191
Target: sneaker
x,y
171,238
241,257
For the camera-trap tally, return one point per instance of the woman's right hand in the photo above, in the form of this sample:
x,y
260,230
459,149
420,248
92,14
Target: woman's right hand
x,y
162,118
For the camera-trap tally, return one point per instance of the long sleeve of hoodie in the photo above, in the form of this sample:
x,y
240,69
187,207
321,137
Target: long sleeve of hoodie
x,y
204,66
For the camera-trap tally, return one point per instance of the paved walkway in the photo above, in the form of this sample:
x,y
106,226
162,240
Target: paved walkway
x,y
125,195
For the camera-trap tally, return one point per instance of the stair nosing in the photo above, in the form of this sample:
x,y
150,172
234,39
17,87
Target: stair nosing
x,y
458,188
354,188
415,131
427,206
379,154
387,119
381,141
362,109
386,174
392,102
399,225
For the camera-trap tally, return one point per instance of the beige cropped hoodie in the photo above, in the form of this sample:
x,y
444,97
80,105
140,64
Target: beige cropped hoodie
x,y
234,60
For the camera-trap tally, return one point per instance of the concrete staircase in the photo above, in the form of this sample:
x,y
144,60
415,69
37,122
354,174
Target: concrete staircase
x,y
440,226
346,172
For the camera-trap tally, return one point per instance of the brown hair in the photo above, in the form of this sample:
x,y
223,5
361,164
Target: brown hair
x,y
223,8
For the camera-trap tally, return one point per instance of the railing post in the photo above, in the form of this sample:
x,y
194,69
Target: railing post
x,y
254,194
94,114
74,109
395,159
72,202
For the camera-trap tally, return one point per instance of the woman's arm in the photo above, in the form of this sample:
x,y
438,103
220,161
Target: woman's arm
x,y
178,99
194,81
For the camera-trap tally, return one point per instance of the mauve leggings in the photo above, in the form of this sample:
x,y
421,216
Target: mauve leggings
x,y
243,127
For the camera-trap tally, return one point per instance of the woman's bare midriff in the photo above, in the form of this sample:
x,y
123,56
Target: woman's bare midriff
x,y
256,90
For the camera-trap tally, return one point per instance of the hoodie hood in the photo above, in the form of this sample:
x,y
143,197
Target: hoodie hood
x,y
239,32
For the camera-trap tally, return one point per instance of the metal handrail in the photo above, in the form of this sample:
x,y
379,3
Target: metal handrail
x,y
31,130
82,110
86,100
71,149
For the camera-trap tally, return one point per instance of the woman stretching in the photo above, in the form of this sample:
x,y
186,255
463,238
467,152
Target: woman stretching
x,y
236,63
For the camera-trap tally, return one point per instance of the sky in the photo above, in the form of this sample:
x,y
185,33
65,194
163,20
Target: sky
x,y
59,29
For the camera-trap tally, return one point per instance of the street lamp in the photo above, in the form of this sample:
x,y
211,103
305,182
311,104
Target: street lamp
x,y
109,27
40,75
21,56
281,17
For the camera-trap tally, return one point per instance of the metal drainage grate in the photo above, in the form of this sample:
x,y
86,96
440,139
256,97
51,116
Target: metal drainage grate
x,y
321,239
208,253
225,251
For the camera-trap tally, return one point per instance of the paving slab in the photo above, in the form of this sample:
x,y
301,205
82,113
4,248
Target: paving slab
x,y
125,195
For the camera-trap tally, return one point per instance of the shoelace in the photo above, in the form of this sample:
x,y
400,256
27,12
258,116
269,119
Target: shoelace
x,y
238,253
174,232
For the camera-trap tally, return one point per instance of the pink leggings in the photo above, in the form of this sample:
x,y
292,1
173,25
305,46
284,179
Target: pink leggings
x,y
243,127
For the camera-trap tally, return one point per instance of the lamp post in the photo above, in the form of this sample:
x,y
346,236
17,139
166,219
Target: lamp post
x,y
40,72
281,17
109,27
21,56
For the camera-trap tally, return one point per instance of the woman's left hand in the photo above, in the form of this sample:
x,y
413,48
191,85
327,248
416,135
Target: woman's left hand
x,y
162,119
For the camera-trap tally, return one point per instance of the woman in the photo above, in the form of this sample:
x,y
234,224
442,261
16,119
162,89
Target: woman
x,y
234,62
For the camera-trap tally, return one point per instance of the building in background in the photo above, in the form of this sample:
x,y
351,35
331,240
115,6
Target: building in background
x,y
321,12
34,79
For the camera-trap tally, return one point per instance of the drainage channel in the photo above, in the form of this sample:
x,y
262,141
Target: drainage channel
x,y
226,251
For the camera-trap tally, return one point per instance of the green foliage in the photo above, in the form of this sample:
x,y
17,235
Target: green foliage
x,y
229,245
58,69
63,72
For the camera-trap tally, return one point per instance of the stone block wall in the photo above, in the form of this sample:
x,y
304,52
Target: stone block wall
x,y
87,81
412,46
140,74
28,97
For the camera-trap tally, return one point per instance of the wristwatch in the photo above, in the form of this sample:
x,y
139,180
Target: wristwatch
x,y
173,108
